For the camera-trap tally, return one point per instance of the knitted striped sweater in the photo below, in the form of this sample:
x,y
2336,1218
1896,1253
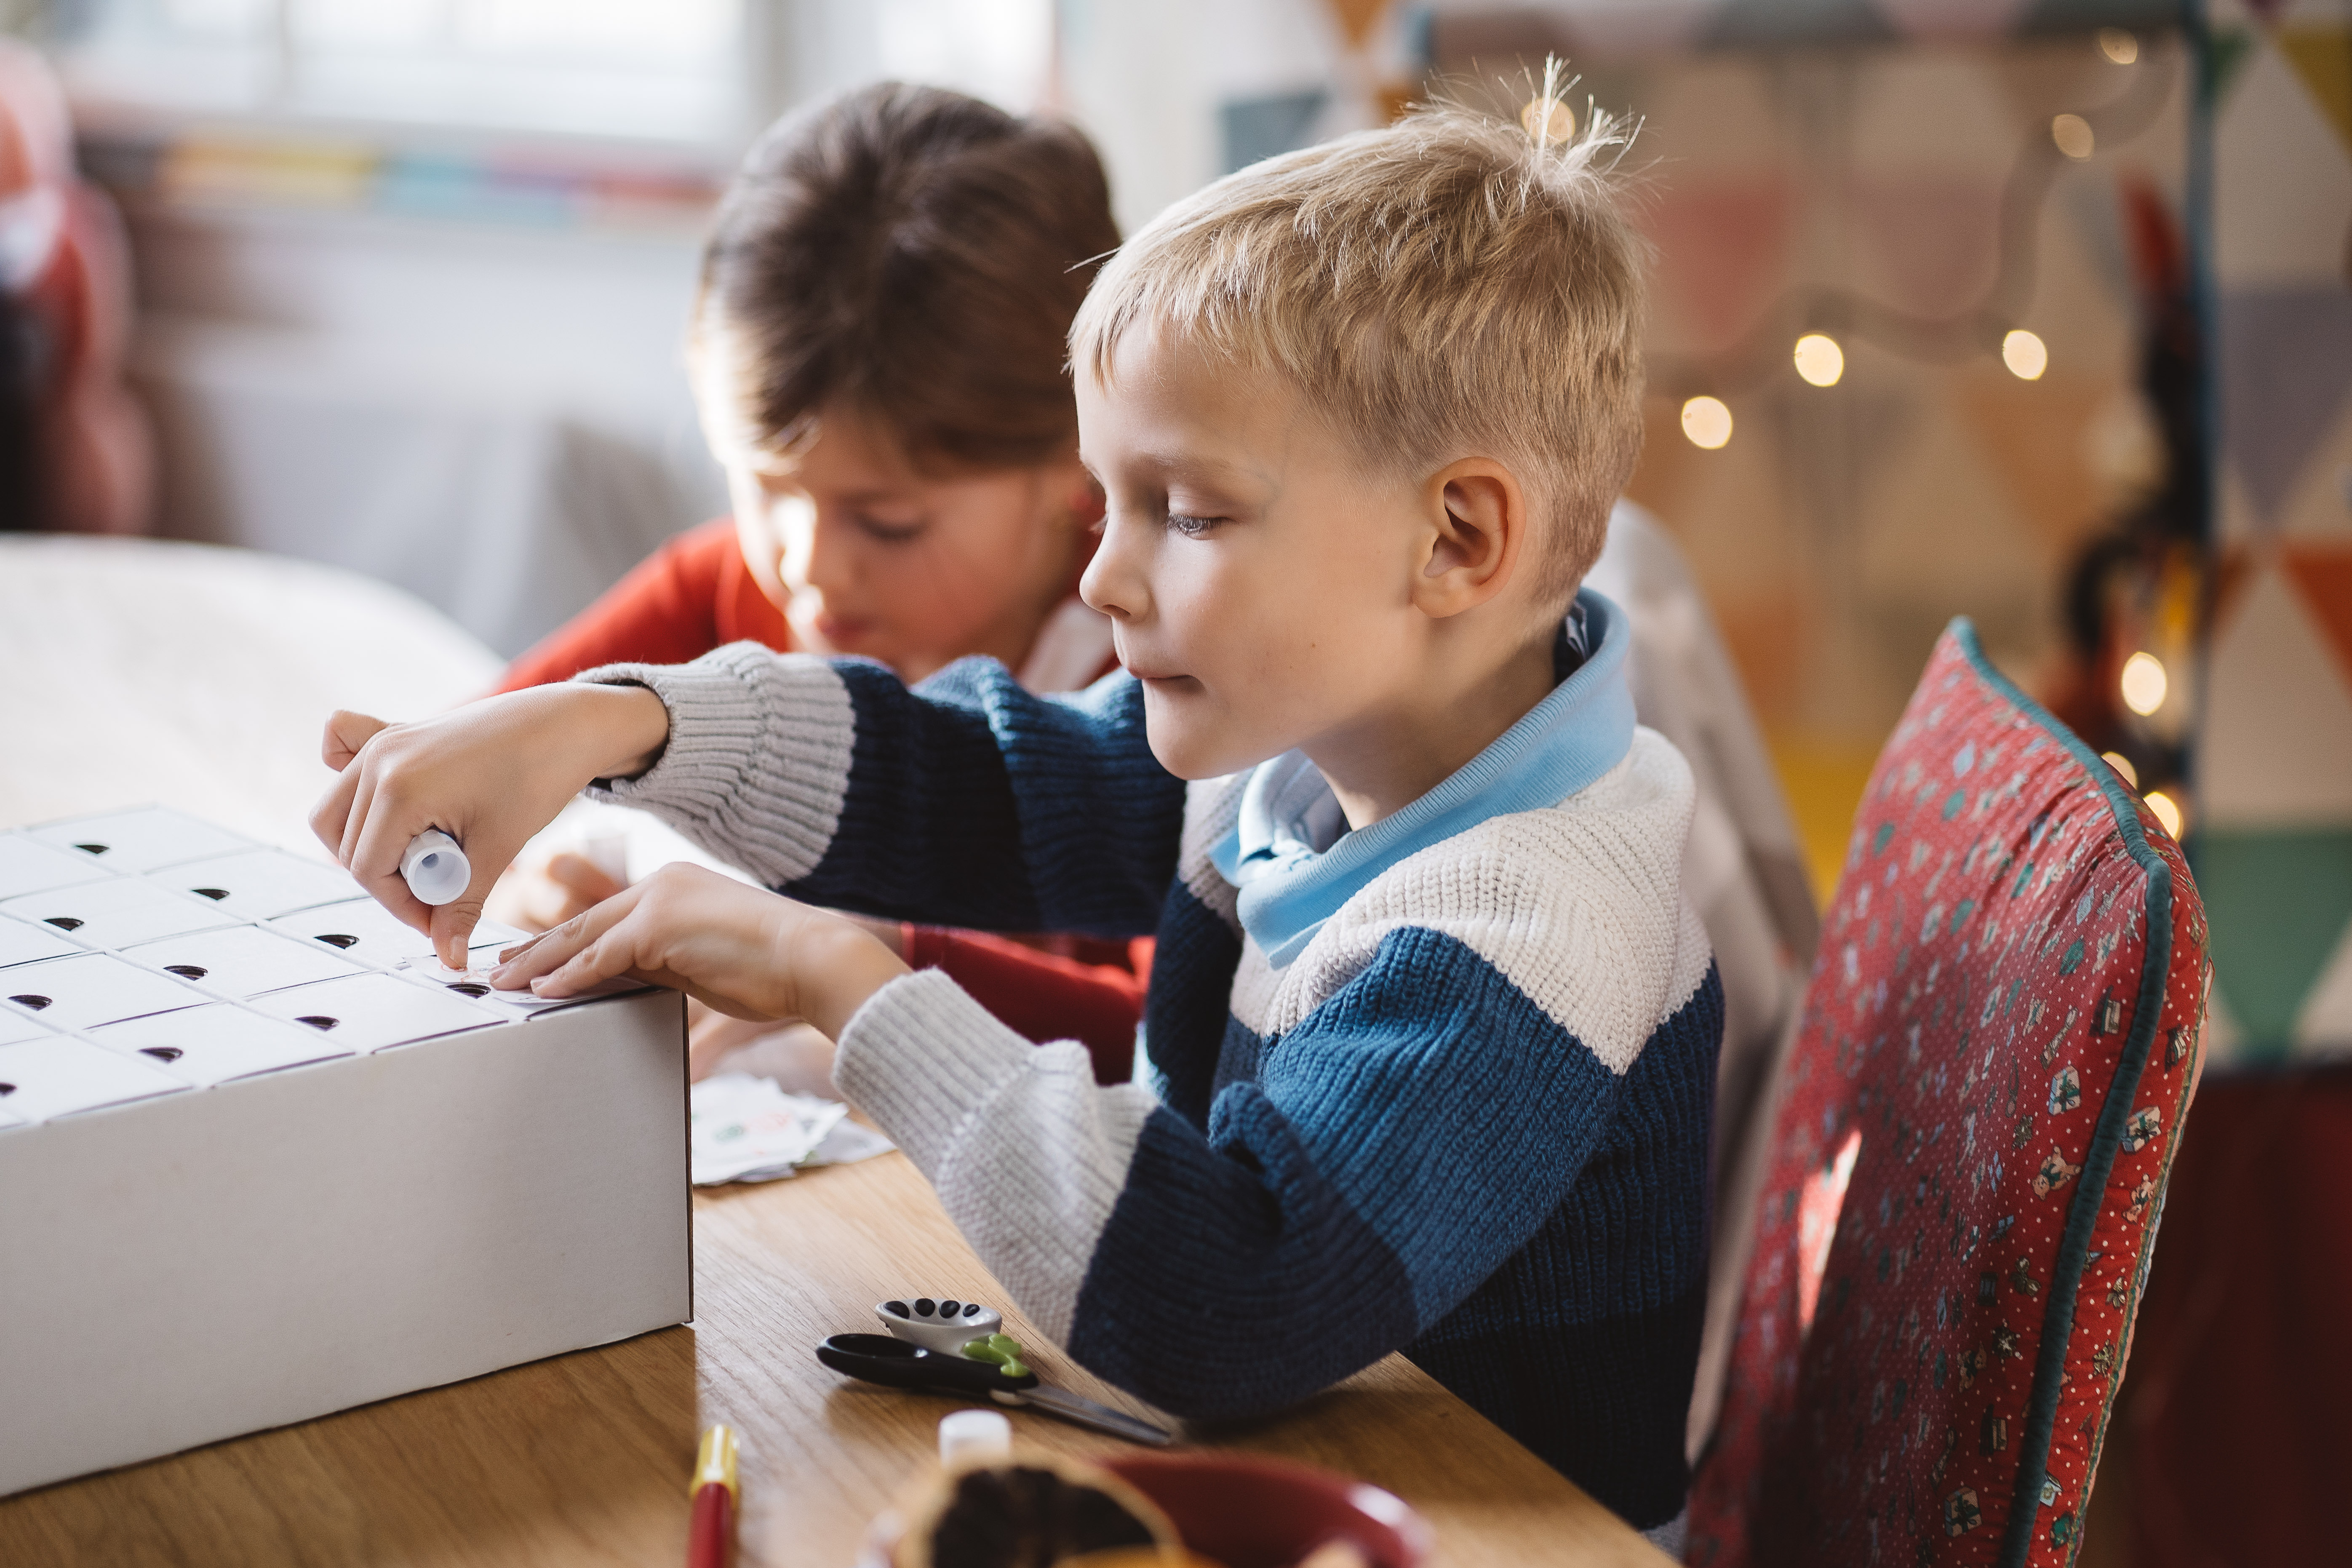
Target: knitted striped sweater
x,y
1443,1086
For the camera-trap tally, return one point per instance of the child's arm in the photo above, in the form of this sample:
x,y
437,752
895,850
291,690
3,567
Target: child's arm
x,y
966,801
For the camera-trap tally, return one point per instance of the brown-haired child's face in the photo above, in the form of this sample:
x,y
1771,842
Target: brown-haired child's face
x,y
866,554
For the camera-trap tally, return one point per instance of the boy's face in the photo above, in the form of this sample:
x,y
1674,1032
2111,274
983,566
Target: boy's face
x,y
1257,572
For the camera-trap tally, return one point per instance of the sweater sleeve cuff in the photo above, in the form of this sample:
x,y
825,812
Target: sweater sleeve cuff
x,y
921,1057
757,764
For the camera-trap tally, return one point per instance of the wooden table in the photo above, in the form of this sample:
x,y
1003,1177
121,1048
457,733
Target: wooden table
x,y
582,1459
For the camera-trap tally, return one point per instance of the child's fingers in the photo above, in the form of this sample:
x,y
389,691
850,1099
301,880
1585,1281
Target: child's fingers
x,y
346,732
551,951
332,817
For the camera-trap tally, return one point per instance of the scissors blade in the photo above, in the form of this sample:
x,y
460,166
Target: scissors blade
x,y
1086,1413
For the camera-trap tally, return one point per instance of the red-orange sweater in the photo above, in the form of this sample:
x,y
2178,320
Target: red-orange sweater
x,y
694,594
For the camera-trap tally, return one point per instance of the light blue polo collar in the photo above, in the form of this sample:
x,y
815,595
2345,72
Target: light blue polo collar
x,y
1295,861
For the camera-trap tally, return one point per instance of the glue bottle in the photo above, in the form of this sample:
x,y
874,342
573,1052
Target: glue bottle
x,y
434,869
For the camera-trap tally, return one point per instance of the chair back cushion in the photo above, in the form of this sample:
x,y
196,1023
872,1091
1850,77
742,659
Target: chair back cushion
x,y
1970,1149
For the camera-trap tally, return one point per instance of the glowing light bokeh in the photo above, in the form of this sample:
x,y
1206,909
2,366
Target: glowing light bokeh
x,y
1706,422
2145,683
2166,811
2123,766
2118,46
2072,135
1819,359
2025,355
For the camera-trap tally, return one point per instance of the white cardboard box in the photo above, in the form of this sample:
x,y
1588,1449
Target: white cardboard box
x,y
219,1214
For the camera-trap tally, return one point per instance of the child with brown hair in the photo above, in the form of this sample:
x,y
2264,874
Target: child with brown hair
x,y
878,347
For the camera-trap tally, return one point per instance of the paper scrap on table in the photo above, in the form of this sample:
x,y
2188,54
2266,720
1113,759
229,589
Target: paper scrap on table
x,y
746,1129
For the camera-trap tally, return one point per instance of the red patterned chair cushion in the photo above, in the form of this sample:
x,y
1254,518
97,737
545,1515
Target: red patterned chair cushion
x,y
1968,1154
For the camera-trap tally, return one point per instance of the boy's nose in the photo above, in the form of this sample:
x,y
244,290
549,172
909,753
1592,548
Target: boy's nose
x,y
1113,580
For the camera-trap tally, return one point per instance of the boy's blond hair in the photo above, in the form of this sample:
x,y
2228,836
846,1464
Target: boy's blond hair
x,y
1454,285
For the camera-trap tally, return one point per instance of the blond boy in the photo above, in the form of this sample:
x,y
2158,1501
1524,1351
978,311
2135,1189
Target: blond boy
x,y
1432,1028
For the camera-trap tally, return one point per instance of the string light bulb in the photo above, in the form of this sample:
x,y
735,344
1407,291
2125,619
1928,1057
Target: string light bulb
x,y
1819,359
2072,135
2118,46
2025,354
2144,683
2168,811
1707,422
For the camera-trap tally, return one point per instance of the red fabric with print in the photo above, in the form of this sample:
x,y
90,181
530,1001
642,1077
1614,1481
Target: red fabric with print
x,y
1999,1044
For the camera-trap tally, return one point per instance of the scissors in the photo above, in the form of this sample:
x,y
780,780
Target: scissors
x,y
991,1365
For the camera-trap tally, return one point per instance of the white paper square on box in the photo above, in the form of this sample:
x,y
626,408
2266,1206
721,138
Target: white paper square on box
x,y
118,912
22,942
365,929
15,1027
90,989
59,1076
30,865
144,839
243,961
260,884
212,1044
369,1012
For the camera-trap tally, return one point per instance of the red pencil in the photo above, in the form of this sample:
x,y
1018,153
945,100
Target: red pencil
x,y
710,1538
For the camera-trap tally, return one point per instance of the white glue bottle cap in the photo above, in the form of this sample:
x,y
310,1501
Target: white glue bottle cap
x,y
434,868
974,1438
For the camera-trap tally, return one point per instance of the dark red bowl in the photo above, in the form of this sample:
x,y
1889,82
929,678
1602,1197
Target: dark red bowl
x,y
1248,1512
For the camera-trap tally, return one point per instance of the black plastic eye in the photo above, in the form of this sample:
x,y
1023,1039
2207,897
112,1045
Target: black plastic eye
x,y
896,1309
161,1053
318,1020
336,939
34,1003
469,988
63,922
216,894
949,1309
187,971
91,848
972,1309
925,1306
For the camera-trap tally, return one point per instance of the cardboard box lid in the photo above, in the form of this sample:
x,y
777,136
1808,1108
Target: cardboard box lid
x,y
91,988
58,1076
365,929
260,883
369,1012
117,912
23,942
30,865
144,839
218,1042
241,960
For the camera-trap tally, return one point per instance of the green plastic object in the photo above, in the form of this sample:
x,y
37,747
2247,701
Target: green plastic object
x,y
1001,1350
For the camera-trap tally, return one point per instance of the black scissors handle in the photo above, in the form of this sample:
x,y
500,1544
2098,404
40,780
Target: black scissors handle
x,y
879,1358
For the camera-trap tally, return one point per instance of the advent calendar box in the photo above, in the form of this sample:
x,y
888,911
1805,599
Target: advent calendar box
x,y
261,1158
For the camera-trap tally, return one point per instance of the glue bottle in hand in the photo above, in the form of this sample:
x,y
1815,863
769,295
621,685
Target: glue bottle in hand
x,y
434,868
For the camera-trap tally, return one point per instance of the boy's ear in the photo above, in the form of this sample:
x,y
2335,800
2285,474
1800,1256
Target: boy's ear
x,y
1480,530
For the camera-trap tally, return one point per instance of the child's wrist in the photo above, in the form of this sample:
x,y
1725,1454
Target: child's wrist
x,y
626,732
840,971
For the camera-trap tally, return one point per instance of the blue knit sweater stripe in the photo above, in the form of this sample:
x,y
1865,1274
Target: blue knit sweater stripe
x,y
980,804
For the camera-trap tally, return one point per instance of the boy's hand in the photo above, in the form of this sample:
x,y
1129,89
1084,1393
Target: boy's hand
x,y
741,950
489,775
